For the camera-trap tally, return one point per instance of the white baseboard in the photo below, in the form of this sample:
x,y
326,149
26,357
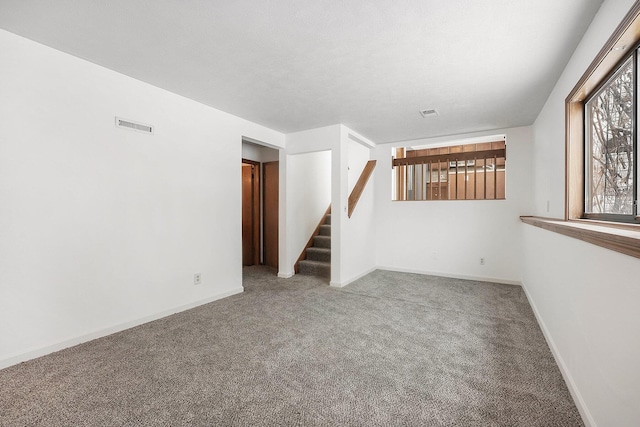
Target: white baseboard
x,y
43,351
285,275
453,276
351,280
568,379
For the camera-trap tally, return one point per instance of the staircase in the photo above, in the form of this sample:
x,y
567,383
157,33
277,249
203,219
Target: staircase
x,y
317,260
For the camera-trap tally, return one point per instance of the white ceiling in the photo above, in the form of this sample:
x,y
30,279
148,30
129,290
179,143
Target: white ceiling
x,y
297,64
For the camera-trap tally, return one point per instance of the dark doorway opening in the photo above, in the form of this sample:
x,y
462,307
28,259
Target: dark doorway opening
x,y
260,186
250,212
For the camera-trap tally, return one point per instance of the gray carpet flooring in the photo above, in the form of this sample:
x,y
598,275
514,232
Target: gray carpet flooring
x,y
389,349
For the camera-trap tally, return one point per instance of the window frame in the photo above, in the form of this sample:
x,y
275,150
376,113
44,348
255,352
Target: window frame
x,y
609,59
633,218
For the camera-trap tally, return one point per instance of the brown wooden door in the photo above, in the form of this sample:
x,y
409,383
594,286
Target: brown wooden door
x,y
250,212
270,228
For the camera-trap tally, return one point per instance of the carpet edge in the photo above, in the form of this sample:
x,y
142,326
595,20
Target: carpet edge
x,y
452,276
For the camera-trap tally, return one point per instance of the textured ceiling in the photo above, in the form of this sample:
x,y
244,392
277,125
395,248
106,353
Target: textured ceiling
x,y
293,65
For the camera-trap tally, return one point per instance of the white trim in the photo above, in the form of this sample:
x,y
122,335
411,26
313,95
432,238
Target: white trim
x,y
566,374
462,141
456,139
261,143
39,352
356,137
285,275
353,279
453,276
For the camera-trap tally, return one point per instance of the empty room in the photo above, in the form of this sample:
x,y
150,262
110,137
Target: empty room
x,y
362,213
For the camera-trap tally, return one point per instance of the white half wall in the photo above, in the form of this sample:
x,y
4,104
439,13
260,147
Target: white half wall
x,y
586,297
448,237
103,228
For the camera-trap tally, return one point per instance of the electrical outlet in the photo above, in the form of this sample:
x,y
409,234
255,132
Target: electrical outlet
x,y
481,261
197,279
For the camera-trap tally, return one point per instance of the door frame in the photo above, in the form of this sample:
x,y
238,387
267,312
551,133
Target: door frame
x,y
265,252
256,218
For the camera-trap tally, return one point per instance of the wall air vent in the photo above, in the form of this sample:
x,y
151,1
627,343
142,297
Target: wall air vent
x,y
428,113
130,125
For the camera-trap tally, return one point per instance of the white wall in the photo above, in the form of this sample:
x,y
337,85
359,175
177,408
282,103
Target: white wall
x,y
358,232
259,153
100,227
357,158
449,237
586,297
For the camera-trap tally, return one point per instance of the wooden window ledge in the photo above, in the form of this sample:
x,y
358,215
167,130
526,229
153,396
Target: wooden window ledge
x,y
624,238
